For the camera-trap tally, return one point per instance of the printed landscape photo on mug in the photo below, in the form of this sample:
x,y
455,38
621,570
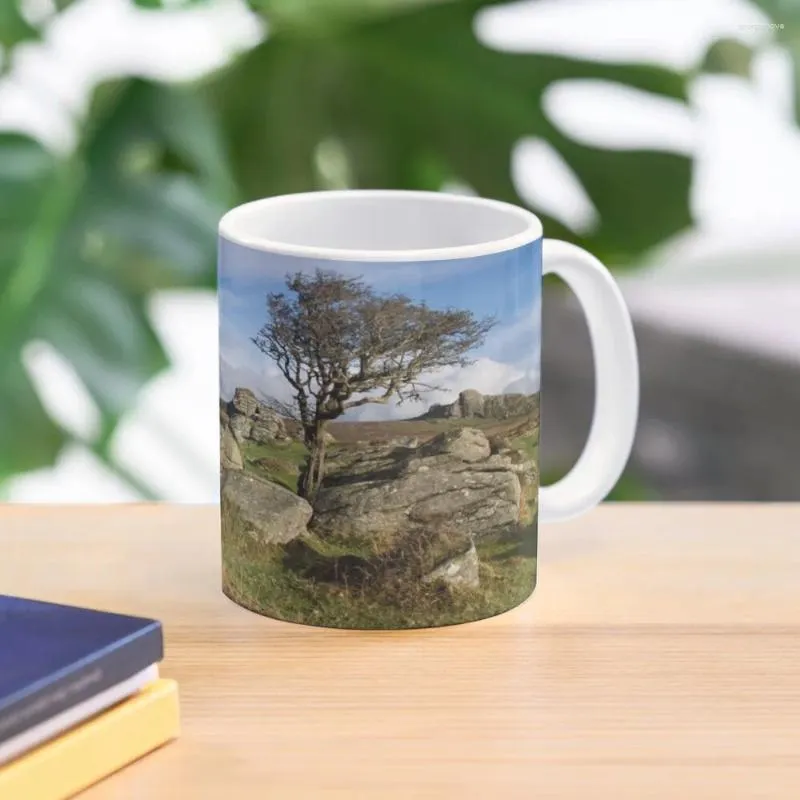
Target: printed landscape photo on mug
x,y
379,436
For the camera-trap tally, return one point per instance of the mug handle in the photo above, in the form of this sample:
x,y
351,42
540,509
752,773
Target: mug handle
x,y
616,366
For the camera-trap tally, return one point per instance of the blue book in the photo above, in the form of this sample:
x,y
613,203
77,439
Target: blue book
x,y
53,657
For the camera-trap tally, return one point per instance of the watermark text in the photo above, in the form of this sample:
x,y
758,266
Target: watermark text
x,y
763,26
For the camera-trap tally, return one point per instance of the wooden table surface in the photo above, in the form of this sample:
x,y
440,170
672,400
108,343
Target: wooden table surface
x,y
658,658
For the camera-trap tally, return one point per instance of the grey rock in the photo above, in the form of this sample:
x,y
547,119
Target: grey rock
x,y
254,421
459,572
241,427
511,462
471,404
504,406
478,502
267,426
230,454
382,497
265,511
410,442
465,444
348,464
500,445
244,402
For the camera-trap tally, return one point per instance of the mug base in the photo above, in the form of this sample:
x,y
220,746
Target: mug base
x,y
439,609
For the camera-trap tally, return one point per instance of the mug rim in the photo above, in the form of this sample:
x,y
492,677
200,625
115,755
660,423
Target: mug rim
x,y
230,227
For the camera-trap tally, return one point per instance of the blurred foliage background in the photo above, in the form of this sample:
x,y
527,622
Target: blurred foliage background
x,y
336,93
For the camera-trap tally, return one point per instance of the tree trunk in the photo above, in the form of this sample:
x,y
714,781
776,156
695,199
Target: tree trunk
x,y
314,472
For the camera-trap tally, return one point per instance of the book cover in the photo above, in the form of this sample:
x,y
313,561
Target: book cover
x,y
53,657
50,728
99,747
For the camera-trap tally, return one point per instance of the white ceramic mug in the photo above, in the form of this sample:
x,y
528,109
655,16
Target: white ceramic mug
x,y
379,405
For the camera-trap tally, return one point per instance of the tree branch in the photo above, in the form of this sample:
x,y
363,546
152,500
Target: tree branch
x,y
382,400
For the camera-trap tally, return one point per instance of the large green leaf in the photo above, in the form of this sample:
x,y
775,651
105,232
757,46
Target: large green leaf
x,y
83,243
14,28
785,16
28,438
730,57
412,98
17,28
323,15
157,4
734,57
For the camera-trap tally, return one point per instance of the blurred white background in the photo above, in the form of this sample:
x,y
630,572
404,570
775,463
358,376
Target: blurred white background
x,y
736,277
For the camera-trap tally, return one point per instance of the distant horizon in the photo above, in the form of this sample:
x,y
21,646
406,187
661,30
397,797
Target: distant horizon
x,y
270,400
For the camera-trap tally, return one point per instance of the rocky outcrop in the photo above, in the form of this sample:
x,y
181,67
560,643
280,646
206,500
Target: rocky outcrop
x,y
244,402
463,444
500,445
262,510
471,404
253,420
230,455
460,572
267,427
440,497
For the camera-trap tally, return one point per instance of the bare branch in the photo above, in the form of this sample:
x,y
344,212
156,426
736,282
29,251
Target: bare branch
x,y
340,345
382,400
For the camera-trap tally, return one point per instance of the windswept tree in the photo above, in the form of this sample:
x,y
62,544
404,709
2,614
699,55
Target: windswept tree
x,y
340,345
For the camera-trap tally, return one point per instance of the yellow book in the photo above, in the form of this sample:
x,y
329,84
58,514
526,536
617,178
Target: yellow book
x,y
89,752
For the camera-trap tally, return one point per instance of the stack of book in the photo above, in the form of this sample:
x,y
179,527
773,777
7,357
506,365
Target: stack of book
x,y
80,696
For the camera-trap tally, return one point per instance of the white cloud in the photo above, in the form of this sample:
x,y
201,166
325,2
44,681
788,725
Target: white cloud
x,y
518,340
528,383
484,375
242,364
230,301
239,367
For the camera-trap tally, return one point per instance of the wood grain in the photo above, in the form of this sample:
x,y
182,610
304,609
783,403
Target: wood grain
x,y
657,659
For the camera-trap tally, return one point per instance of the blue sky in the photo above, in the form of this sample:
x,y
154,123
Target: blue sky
x,y
506,285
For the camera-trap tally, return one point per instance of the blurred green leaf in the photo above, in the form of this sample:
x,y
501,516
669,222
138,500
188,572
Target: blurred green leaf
x,y
728,56
321,15
157,4
413,98
29,439
785,16
628,489
14,28
17,28
86,240
631,489
367,93
732,57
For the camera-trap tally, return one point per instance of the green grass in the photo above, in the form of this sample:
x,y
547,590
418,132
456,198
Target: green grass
x,y
281,461
266,580
349,432
497,550
255,576
528,444
337,547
